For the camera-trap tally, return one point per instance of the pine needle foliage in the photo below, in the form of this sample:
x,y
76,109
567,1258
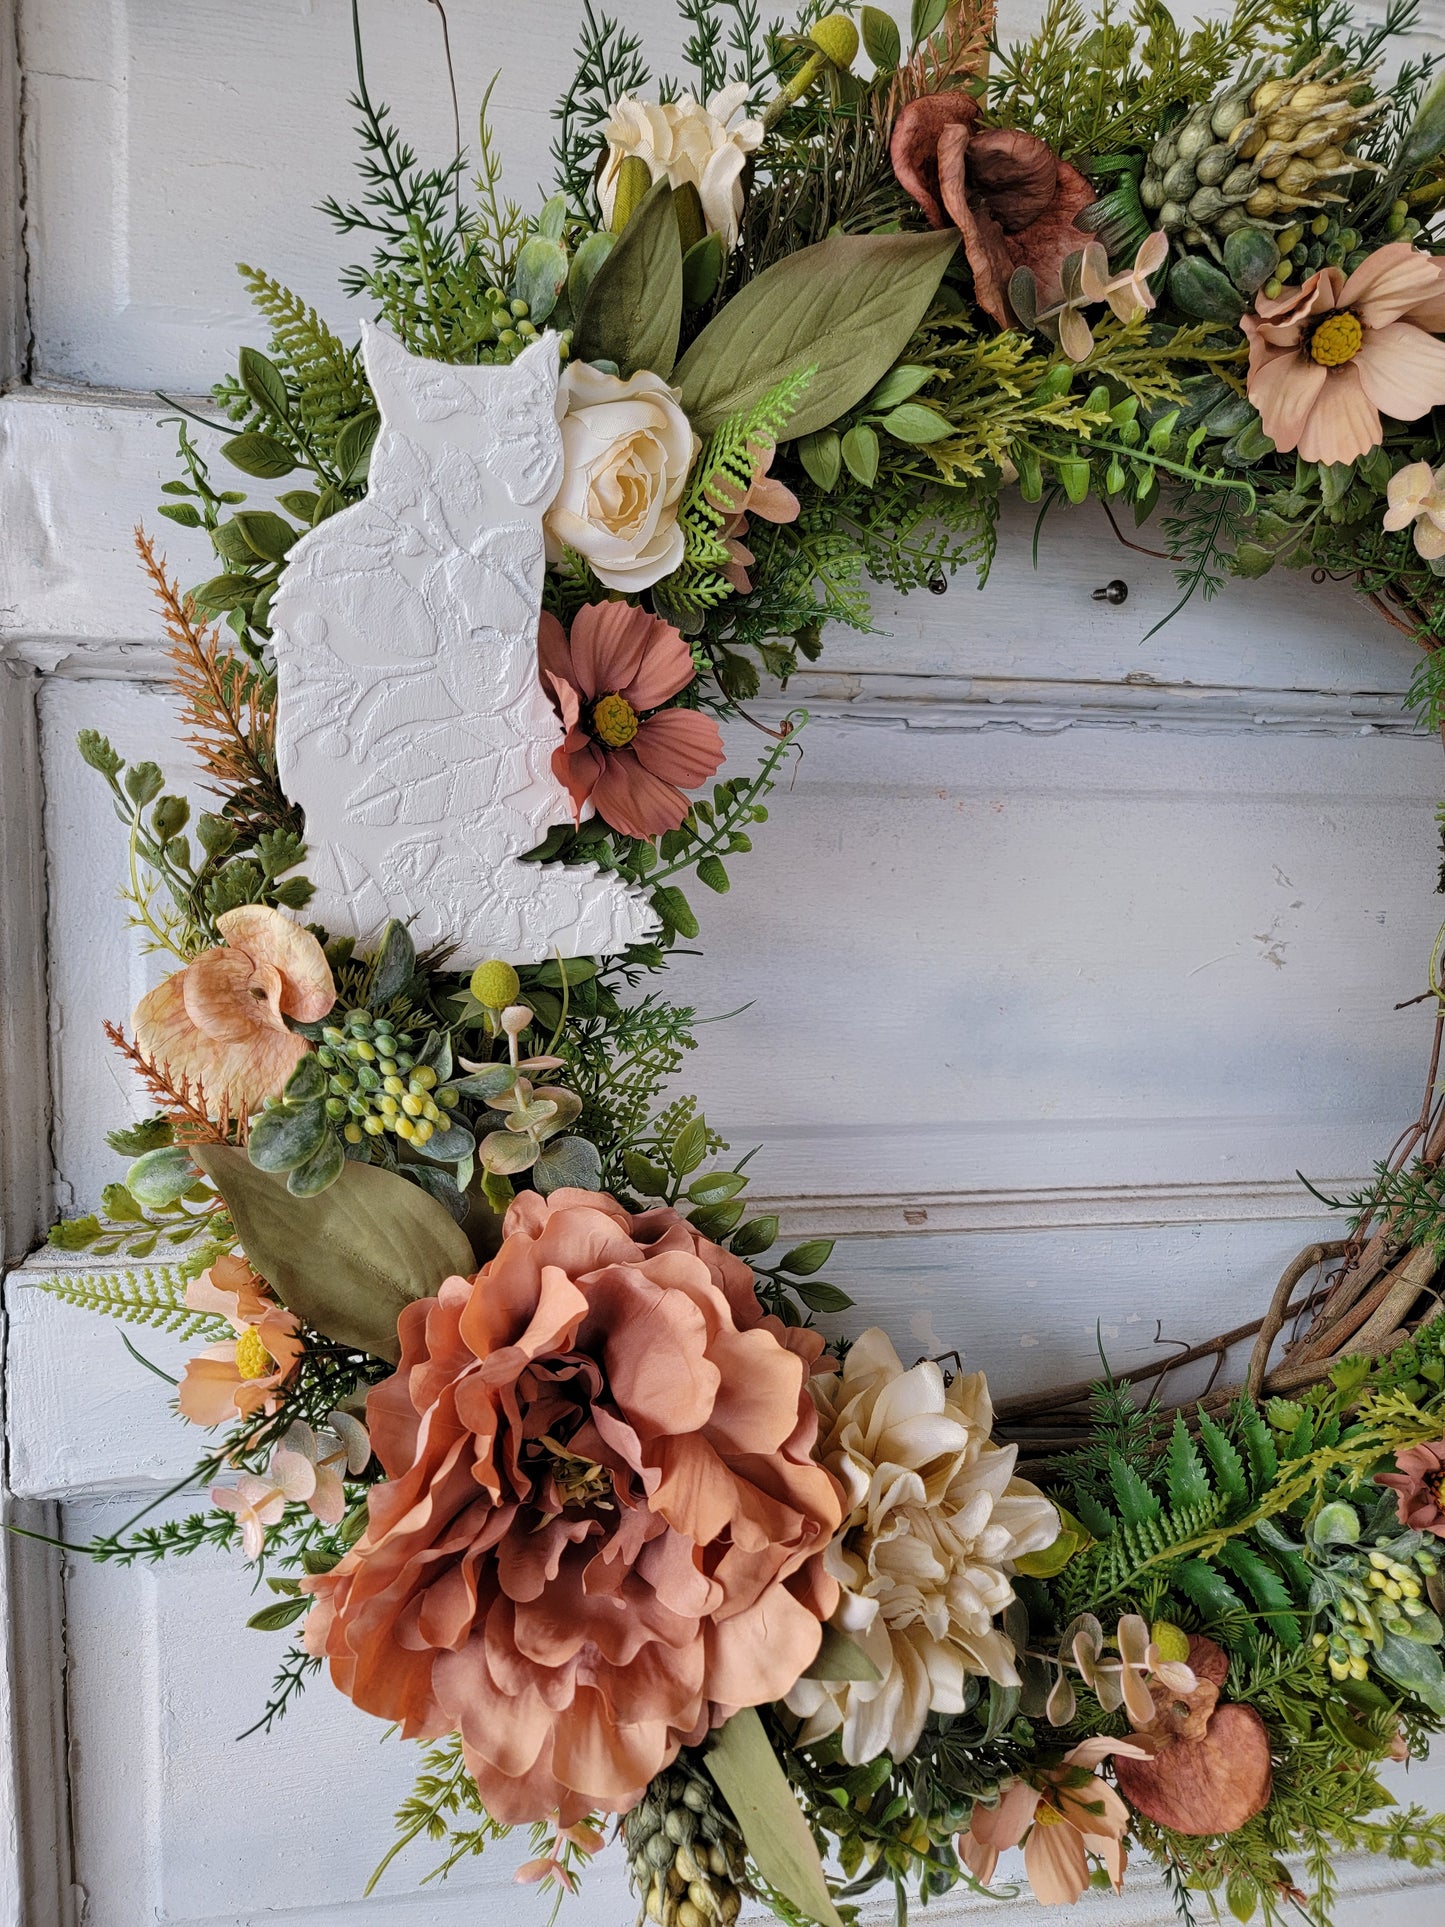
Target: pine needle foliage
x,y
153,1295
609,63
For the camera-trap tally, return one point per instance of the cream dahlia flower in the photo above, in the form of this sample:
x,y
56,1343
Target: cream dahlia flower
x,y
692,145
934,1521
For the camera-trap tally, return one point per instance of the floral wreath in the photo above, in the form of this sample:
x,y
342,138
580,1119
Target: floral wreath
x,y
521,1419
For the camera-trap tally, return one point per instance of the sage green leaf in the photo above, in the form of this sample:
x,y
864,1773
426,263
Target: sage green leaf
x,y
552,221
688,1148
927,15
490,1082
913,422
320,1171
350,1261
263,382
633,311
288,1135
274,1619
899,384
449,1146
702,268
840,1657
259,455
645,1177
860,452
821,454
1416,1667
881,40
158,1178
844,308
181,512
585,263
355,443
394,965
268,536
568,1163
541,275
307,1080
756,1236
716,1187
1426,136
747,1773
818,1295
505,1154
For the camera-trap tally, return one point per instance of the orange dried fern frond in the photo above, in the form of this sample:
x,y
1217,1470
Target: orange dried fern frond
x,y
956,50
228,703
185,1104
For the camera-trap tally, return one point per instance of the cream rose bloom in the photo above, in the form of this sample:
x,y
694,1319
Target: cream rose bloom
x,y
692,145
933,1521
627,448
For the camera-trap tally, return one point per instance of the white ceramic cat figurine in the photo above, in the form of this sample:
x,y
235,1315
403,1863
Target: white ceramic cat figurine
x,y
411,725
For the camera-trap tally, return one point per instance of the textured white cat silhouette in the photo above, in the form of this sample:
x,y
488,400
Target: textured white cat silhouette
x,y
411,726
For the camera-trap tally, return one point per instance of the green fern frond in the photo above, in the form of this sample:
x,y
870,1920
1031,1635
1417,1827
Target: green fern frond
x,y
721,477
154,1295
326,374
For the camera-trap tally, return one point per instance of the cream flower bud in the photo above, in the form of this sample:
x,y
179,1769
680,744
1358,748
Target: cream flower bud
x,y
689,145
627,448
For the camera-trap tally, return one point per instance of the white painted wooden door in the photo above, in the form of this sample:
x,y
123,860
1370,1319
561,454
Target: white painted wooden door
x,y
1063,953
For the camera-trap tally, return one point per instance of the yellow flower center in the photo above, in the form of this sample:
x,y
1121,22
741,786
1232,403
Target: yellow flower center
x,y
579,1481
1047,1816
614,720
1336,340
252,1358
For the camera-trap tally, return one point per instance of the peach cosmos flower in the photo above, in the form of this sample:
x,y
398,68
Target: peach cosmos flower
x,y
602,1525
1418,1483
241,1376
1073,1813
631,766
1329,358
1416,497
221,1021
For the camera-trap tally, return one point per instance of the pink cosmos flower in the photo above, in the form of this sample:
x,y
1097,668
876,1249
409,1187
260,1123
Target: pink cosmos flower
x,y
1418,1482
1072,1814
1329,358
623,753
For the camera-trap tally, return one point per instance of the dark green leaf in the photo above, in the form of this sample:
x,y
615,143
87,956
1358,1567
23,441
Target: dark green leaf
x,y
184,513
881,40
1135,1500
717,1220
675,910
319,1171
264,383
307,1080
285,1612
355,443
925,18
257,454
394,965
818,1295
1203,1587
349,1261
633,311
649,1180
716,1187
804,1259
268,536
702,270
1269,1591
1188,1480
710,871
844,308
759,1235
1228,1466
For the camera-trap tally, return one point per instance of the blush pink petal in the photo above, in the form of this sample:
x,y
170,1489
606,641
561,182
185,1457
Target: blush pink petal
x,y
681,746
1285,389
607,643
1056,1864
1344,423
635,801
1390,283
1402,370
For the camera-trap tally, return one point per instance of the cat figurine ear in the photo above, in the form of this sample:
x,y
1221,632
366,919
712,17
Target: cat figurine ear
x,y
412,728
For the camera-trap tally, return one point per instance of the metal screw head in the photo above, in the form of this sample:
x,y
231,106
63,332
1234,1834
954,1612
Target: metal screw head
x,y
938,583
1115,592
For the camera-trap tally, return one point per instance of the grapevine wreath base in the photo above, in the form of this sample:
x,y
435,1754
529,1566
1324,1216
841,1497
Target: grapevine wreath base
x,y
523,1425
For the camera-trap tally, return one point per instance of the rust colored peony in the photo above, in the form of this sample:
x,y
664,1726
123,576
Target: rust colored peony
x,y
1010,197
221,1022
1418,1482
624,755
1329,358
602,1526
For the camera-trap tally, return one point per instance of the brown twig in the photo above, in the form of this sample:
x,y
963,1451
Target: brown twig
x,y
184,1103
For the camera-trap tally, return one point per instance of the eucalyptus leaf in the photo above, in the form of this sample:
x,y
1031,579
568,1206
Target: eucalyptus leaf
x,y
320,1171
449,1145
1416,1667
541,275
844,308
489,1083
747,1773
1426,135
349,1261
585,263
394,965
568,1163
287,1136
307,1080
632,313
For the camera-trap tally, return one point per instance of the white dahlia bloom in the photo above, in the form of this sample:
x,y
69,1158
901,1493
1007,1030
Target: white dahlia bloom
x,y
934,1520
692,145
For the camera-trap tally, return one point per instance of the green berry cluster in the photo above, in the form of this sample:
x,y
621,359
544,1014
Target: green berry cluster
x,y
508,328
1323,242
375,1084
1377,1594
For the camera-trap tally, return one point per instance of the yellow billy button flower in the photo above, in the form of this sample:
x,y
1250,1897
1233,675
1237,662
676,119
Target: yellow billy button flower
x,y
495,984
252,1358
614,720
1336,340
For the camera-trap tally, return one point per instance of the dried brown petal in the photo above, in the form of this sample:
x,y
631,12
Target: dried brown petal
x,y
1014,174
914,147
1204,1787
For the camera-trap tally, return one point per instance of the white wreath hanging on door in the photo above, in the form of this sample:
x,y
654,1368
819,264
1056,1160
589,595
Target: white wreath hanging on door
x,y
532,1437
